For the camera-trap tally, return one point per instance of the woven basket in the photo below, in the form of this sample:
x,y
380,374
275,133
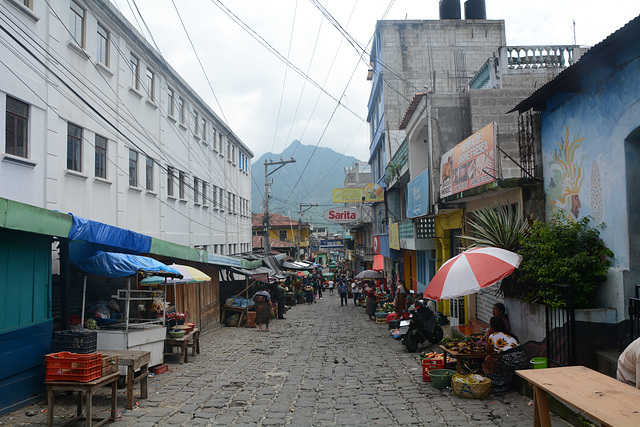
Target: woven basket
x,y
471,386
173,333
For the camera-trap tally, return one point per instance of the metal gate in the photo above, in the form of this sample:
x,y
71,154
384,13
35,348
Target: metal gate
x,y
561,330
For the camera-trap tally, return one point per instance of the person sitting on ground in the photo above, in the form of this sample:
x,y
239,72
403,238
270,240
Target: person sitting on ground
x,y
629,365
505,356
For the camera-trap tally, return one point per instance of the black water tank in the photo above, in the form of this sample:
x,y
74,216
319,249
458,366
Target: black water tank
x,y
450,9
475,9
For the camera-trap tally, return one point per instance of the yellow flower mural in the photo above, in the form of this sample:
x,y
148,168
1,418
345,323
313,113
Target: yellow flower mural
x,y
566,177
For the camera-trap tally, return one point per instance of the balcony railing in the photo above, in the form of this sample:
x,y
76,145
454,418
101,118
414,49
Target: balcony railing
x,y
365,252
540,56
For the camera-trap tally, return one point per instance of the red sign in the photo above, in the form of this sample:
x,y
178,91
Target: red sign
x,y
376,244
342,215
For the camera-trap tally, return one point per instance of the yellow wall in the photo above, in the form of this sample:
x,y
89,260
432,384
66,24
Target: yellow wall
x,y
443,224
274,233
409,264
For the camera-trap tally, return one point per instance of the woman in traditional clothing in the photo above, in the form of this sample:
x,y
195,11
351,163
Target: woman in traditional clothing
x,y
371,302
399,303
262,299
505,356
308,293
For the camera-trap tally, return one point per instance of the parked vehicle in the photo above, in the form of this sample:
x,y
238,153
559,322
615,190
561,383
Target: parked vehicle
x,y
423,327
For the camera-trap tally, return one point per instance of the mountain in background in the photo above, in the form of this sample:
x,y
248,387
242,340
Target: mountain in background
x,y
324,172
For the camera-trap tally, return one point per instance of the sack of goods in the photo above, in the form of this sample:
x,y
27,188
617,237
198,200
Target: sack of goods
x,y
471,386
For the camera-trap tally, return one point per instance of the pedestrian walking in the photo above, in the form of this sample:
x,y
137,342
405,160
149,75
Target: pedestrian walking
x,y
357,292
371,303
308,293
263,308
330,287
282,296
342,290
320,287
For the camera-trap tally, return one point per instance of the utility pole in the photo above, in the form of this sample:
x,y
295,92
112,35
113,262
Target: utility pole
x,y
265,221
299,237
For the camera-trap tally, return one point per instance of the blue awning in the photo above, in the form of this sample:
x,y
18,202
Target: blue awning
x,y
111,264
109,238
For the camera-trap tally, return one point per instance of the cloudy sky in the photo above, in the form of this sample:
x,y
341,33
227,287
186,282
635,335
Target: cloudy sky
x,y
243,46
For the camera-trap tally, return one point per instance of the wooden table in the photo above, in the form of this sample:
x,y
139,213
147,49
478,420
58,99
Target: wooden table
x,y
133,361
88,388
241,310
192,340
459,356
605,399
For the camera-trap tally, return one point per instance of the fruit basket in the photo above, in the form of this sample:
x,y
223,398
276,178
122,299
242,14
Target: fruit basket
x,y
175,333
471,386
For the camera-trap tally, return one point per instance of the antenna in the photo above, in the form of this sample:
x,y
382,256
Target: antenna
x,y
574,32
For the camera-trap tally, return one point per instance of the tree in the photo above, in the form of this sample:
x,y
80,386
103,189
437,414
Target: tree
x,y
563,252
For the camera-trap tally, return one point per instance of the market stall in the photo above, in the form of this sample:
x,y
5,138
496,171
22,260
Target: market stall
x,y
120,326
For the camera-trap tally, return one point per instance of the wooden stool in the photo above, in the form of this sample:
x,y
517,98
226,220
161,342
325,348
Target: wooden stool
x,y
133,361
88,388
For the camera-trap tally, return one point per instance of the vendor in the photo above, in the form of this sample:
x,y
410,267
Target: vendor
x,y
629,364
399,303
504,355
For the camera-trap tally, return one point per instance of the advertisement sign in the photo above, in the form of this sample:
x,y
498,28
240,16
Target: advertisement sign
x,y
394,236
342,215
470,163
418,195
376,244
331,244
371,192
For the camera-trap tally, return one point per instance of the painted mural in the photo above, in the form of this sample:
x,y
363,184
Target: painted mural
x,y
566,176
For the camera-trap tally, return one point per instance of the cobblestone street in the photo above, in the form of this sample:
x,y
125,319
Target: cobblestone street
x,y
324,365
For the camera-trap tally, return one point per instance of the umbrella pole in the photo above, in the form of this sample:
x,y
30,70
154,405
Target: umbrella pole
x,y
84,298
164,303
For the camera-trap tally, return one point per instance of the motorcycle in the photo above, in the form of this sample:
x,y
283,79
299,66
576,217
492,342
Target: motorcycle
x,y
422,327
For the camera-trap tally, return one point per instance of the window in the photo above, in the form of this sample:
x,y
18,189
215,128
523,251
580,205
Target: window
x,y
151,85
74,147
181,184
181,110
134,64
220,198
196,122
149,173
133,168
170,174
101,157
17,128
229,150
204,193
204,129
220,142
170,103
102,53
229,201
214,139
77,23
282,235
28,3
196,190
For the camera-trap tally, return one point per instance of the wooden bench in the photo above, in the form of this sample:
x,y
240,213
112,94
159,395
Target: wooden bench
x,y
605,399
88,388
190,340
133,361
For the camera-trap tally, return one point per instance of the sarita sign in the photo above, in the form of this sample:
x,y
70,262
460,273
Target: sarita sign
x,y
342,215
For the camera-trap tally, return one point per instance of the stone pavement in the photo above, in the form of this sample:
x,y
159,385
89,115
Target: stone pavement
x,y
324,365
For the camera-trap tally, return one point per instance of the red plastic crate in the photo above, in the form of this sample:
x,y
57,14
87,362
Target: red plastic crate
x,y
429,364
160,369
65,366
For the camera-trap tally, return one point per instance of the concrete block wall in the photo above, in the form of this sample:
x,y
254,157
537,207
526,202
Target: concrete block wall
x,y
492,105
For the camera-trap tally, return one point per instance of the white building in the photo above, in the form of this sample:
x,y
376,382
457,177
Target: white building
x,y
99,125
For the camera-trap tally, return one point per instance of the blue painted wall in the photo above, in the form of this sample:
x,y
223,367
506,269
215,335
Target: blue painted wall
x,y
25,316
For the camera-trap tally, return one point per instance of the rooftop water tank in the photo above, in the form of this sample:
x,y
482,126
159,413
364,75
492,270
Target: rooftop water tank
x,y
450,9
474,9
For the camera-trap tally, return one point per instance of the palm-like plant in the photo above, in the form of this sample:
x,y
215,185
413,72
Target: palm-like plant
x,y
498,226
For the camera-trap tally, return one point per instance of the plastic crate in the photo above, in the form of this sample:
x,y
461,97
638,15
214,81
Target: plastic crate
x,y
67,366
109,365
81,342
430,364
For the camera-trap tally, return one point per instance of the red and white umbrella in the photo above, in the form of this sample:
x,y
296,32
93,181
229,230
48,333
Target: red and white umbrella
x,y
471,270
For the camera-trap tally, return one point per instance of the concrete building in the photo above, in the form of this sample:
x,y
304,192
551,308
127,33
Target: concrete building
x,y
361,257
107,130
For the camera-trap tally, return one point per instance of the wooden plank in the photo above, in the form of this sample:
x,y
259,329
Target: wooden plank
x,y
601,397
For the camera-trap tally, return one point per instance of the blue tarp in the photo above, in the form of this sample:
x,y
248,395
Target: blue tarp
x,y
109,237
111,264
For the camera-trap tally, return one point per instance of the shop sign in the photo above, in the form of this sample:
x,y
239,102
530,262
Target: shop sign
x,y
371,192
470,163
342,215
376,244
394,236
331,244
418,195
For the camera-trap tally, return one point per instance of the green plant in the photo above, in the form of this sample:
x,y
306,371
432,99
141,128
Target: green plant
x,y
498,226
390,172
563,252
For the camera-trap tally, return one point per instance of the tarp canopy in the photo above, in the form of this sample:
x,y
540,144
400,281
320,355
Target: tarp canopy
x,y
297,265
256,271
378,262
112,264
108,238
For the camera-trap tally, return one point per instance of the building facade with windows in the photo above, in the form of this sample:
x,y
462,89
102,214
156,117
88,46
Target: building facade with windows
x,y
99,125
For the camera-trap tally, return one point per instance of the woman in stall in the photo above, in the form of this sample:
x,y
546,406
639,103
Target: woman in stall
x,y
505,356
